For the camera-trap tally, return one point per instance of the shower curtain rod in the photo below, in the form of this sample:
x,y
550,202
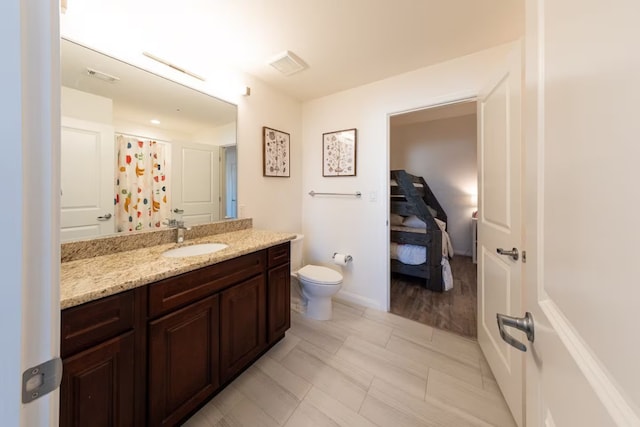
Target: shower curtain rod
x,y
140,136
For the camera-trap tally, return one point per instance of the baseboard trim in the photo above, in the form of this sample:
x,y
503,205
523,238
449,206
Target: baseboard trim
x,y
358,299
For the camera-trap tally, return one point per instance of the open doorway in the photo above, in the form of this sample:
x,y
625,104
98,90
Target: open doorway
x,y
229,182
437,148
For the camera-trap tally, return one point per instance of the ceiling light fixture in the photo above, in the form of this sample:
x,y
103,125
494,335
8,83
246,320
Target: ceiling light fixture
x,y
155,121
101,75
171,65
287,63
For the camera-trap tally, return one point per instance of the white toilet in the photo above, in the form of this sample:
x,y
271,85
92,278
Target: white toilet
x,y
318,283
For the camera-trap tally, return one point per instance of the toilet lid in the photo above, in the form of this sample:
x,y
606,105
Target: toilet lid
x,y
320,275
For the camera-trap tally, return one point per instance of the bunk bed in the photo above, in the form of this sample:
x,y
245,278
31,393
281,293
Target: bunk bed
x,y
418,229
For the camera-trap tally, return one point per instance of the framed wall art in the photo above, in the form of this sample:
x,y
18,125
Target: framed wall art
x,y
339,153
275,152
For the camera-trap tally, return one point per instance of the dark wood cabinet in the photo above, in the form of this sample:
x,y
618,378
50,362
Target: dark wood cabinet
x,y
278,291
183,361
153,355
242,325
98,385
97,345
279,302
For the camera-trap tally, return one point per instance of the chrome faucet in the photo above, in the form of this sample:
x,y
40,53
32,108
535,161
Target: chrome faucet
x,y
180,228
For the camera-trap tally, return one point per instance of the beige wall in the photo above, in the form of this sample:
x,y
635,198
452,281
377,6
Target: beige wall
x,y
273,203
443,152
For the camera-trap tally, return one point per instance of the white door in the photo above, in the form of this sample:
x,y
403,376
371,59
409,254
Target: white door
x,y
500,225
582,204
87,179
196,182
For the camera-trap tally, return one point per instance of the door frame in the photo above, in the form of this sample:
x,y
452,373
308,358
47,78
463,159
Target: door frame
x,y
441,101
30,297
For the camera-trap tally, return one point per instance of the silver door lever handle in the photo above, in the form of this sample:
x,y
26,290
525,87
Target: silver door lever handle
x,y
524,324
513,253
106,217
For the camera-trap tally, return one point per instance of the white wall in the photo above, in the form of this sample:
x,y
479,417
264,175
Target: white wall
x,y
222,135
358,226
86,106
273,203
443,152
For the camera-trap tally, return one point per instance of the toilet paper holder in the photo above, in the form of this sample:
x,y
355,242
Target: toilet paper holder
x,y
347,258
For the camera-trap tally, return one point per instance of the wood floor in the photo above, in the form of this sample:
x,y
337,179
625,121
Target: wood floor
x,y
453,311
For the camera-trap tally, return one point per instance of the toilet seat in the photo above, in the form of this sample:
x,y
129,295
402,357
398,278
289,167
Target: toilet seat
x,y
320,275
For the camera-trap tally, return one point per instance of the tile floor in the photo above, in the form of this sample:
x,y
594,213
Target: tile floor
x,y
363,368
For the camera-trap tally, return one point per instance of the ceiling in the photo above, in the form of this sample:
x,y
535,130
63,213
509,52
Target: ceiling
x,y
346,43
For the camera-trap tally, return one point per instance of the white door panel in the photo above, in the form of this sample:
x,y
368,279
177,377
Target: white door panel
x,y
87,187
496,288
495,157
499,224
582,131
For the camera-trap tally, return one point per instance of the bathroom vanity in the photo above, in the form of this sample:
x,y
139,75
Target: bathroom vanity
x,y
153,353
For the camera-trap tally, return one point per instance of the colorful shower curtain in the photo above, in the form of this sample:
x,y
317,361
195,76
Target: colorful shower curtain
x,y
141,184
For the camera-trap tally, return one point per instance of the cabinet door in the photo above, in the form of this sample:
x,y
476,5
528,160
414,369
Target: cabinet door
x,y
183,361
243,325
279,302
97,387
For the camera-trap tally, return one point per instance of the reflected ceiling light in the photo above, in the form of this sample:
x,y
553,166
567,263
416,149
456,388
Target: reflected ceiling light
x,y
155,121
175,67
287,63
101,75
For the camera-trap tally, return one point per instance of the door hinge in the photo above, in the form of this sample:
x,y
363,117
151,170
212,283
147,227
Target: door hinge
x,y
41,379
524,256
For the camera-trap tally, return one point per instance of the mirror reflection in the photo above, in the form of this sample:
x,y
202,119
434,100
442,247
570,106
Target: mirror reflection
x,y
138,149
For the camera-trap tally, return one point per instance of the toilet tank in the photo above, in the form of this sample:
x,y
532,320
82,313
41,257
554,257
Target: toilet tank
x,y
296,253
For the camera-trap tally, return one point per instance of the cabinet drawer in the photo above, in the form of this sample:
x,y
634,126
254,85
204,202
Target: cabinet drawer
x,y
178,291
88,324
279,254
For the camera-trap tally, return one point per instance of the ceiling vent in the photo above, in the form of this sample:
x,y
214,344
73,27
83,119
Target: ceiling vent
x,y
287,63
101,75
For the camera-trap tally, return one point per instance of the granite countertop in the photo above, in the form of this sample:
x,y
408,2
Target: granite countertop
x,y
89,279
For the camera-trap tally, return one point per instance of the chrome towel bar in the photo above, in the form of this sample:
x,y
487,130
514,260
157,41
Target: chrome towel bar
x,y
356,194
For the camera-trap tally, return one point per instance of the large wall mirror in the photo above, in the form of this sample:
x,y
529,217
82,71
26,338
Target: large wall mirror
x,y
138,149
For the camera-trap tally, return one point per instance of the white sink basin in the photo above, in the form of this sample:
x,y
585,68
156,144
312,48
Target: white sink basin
x,y
194,250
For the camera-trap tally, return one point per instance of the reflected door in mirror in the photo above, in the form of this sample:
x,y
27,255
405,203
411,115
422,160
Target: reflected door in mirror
x,y
196,182
87,164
